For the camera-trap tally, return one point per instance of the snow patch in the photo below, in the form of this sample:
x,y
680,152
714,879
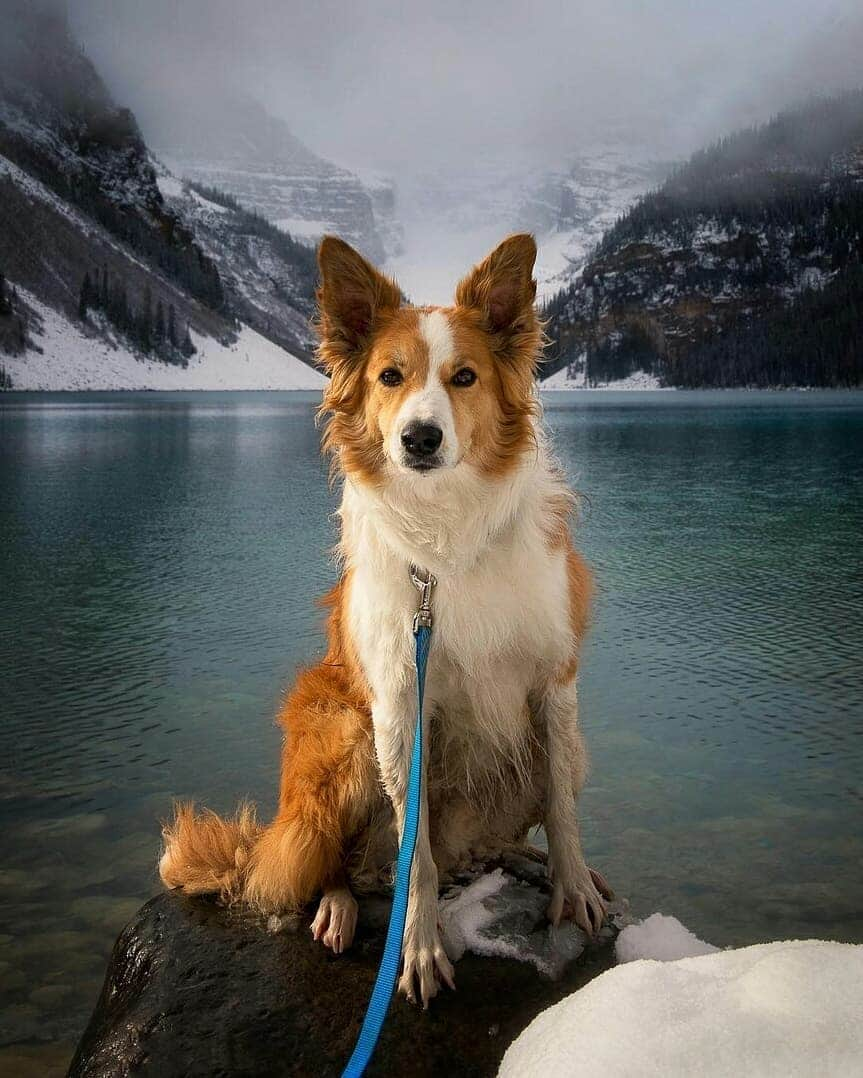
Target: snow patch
x,y
174,189
502,917
70,359
169,185
638,380
776,1010
661,938
303,229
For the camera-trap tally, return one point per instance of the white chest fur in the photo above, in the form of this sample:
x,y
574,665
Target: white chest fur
x,y
501,608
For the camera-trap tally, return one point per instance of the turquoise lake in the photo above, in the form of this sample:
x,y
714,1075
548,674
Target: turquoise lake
x,y
160,557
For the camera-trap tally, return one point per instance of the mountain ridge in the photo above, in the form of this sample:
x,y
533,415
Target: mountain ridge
x,y
86,229
743,268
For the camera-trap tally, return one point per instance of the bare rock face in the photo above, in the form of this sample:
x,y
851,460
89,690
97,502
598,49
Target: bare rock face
x,y
197,990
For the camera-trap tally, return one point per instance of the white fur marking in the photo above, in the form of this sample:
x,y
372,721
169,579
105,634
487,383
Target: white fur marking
x,y
437,334
431,403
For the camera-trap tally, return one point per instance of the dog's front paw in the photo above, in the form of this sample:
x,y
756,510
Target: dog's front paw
x,y
579,895
336,919
425,966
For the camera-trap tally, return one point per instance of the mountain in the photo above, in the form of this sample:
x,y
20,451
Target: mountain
x,y
268,276
92,251
571,209
452,217
744,268
236,146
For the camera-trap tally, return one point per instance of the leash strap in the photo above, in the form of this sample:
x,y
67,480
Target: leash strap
x,y
389,967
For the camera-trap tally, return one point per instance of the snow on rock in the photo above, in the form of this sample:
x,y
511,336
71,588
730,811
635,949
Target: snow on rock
x,y
782,1009
169,185
69,359
306,231
503,917
659,937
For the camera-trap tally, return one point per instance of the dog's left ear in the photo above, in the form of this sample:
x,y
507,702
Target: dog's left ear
x,y
351,297
502,288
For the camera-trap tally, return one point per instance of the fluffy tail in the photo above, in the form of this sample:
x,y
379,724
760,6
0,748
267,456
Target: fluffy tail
x,y
205,854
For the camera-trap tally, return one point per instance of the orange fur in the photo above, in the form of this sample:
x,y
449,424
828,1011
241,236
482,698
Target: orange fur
x,y
205,854
580,585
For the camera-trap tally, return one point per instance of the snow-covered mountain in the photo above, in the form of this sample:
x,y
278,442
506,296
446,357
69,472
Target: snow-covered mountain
x,y
268,276
570,210
744,268
87,232
237,147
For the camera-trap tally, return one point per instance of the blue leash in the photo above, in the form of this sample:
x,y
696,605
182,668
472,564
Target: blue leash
x,y
389,967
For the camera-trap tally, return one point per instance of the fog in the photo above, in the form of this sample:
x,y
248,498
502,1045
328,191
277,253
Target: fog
x,y
463,105
418,85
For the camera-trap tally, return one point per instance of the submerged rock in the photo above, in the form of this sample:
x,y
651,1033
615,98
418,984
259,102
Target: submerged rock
x,y
194,989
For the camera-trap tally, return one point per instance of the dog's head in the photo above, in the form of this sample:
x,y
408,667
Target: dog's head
x,y
419,391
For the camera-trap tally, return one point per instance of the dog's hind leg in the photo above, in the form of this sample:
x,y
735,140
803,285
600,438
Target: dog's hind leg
x,y
576,889
329,787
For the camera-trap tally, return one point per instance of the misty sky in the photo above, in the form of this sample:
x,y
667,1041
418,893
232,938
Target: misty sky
x,y
418,85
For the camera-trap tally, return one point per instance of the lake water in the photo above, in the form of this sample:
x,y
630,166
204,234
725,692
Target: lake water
x,y
160,556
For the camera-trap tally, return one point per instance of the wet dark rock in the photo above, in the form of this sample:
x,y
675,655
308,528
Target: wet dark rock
x,y
193,989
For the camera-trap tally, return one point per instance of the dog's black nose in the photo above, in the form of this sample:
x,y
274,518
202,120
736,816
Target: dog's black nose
x,y
421,439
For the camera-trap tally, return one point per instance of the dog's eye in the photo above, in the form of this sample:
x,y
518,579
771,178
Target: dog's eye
x,y
391,377
464,377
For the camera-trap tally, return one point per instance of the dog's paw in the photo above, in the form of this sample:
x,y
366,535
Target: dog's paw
x,y
425,966
580,898
336,920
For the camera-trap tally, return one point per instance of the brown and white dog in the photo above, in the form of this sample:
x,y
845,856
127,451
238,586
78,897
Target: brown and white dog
x,y
432,422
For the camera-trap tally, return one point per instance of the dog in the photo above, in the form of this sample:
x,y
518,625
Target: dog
x,y
432,422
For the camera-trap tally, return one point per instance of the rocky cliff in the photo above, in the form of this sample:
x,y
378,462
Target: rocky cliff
x,y
236,146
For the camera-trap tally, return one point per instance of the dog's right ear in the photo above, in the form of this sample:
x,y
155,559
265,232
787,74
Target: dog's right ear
x,y
351,296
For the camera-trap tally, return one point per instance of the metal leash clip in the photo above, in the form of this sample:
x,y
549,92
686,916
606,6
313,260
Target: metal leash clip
x,y
424,584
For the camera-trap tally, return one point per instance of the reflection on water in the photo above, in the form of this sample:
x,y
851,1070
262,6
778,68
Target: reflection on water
x,y
160,555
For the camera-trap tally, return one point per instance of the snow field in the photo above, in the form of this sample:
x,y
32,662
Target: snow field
x,y
72,360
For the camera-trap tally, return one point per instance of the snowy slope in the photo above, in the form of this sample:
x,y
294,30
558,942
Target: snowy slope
x,y
70,359
789,1009
268,279
586,198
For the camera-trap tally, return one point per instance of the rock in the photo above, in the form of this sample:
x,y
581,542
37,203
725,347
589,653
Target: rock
x,y
194,989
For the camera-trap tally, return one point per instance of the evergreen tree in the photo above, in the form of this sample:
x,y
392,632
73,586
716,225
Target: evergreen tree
x,y
159,328
172,326
187,348
86,298
124,315
145,321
